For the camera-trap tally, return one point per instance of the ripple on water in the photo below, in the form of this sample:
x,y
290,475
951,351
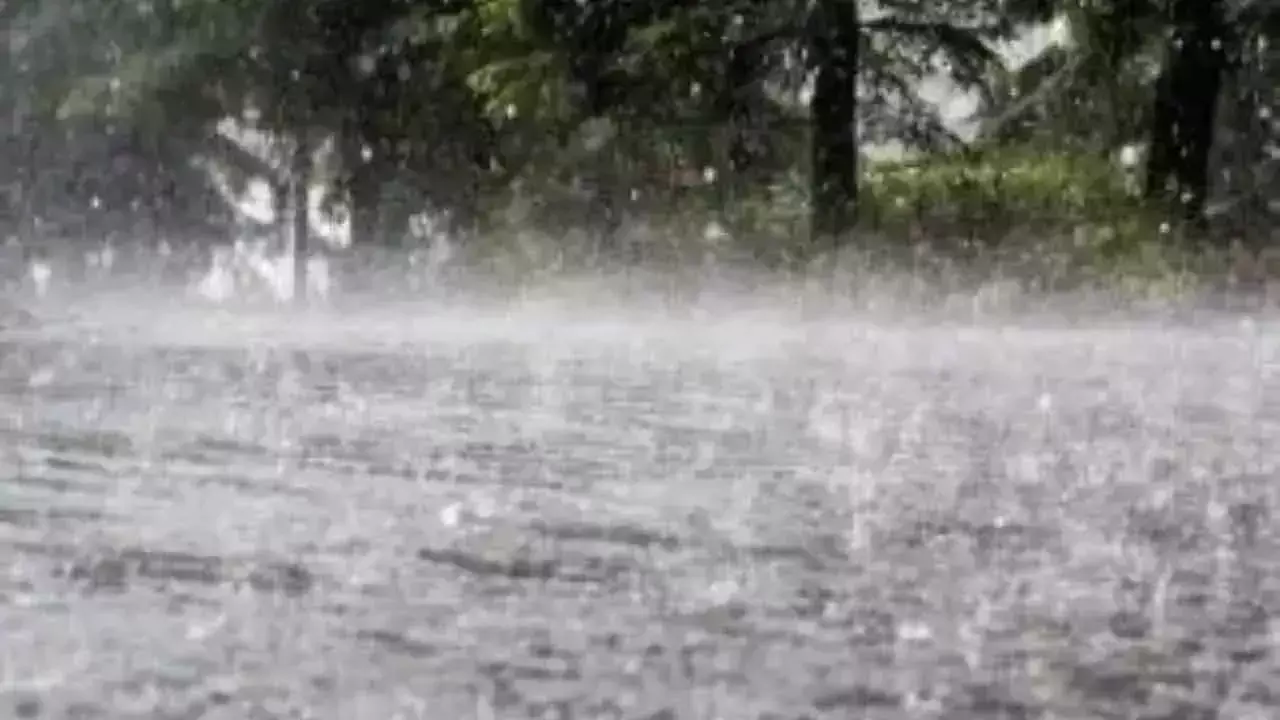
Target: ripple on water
x,y
884,523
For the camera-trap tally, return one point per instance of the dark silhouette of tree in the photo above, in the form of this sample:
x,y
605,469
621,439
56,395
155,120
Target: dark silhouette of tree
x,y
835,54
1186,104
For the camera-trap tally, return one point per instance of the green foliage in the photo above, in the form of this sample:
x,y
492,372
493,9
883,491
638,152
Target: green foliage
x,y
990,193
1057,219
1091,88
531,115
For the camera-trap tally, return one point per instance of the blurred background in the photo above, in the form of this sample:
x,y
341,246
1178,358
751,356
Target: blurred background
x,y
753,129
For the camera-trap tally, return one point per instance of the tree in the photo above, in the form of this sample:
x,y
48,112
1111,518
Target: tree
x,y
835,52
1089,90
1186,106
590,114
105,122
901,46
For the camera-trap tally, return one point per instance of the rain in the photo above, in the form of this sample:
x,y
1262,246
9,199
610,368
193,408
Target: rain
x,y
739,360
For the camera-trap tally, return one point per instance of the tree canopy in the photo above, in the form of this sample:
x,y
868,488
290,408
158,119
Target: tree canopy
x,y
589,113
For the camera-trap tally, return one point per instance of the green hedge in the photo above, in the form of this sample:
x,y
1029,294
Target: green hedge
x,y
1060,217
998,190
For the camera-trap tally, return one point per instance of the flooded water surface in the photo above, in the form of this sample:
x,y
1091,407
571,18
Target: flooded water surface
x,y
412,513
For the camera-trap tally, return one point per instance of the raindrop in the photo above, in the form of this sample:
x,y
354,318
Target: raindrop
x,y
451,514
41,274
1045,403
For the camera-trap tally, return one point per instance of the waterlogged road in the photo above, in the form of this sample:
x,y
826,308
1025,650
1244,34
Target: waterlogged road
x,y
534,515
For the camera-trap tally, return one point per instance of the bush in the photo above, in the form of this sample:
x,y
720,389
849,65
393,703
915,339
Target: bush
x,y
1049,220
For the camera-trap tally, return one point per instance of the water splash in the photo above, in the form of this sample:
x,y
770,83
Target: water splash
x,y
103,259
41,273
812,515
250,270
430,261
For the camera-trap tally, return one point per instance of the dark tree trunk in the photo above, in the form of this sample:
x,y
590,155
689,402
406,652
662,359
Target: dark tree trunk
x,y
603,219
300,178
746,63
835,126
591,33
361,184
281,197
1182,129
1241,157
366,225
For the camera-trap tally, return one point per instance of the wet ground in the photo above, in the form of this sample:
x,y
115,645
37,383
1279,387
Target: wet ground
x,y
456,514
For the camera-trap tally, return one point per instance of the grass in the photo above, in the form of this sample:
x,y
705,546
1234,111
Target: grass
x,y
1045,224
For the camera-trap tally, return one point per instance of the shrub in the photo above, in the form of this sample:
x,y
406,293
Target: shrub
x,y
1051,220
